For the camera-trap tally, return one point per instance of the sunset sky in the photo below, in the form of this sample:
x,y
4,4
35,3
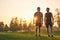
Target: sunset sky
x,y
24,8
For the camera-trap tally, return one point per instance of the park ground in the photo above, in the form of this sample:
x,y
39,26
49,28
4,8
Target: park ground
x,y
28,36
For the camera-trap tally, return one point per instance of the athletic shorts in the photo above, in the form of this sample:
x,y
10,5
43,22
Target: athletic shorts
x,y
49,24
38,24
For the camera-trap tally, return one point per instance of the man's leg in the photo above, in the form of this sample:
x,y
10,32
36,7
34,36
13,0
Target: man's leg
x,y
39,30
48,31
36,30
51,31
51,28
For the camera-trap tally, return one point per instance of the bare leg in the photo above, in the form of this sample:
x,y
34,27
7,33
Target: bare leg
x,y
48,31
51,31
36,30
39,30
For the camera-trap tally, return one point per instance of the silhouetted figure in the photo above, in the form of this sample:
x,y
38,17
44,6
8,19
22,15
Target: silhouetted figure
x,y
38,18
49,22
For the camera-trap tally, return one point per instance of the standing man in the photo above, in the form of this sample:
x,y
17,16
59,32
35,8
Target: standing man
x,y
49,22
38,18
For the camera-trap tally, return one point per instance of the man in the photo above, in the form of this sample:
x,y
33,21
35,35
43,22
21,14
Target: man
x,y
49,22
38,18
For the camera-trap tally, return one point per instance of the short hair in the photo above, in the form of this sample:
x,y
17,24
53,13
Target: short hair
x,y
38,7
48,8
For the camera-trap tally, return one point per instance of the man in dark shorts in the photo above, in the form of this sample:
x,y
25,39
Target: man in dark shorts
x,y
49,22
38,18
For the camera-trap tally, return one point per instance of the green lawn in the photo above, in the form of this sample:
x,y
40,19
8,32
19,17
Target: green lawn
x,y
28,36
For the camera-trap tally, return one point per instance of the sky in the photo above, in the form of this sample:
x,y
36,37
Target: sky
x,y
24,8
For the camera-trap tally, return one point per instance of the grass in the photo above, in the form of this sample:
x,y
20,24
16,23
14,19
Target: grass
x,y
28,36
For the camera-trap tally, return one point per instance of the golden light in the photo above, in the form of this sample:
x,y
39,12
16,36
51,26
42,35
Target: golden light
x,y
34,21
55,24
24,8
28,20
35,18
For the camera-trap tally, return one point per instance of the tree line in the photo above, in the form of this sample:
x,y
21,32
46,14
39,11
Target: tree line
x,y
16,26
23,25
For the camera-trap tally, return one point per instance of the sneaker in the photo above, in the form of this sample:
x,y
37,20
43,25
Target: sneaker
x,y
52,35
48,35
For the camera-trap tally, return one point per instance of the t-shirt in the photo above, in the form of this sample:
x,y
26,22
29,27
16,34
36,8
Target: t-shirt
x,y
48,17
38,16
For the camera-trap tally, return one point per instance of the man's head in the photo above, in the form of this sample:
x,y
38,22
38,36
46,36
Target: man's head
x,y
38,9
47,9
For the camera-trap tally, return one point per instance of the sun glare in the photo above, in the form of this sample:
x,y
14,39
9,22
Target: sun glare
x,y
35,18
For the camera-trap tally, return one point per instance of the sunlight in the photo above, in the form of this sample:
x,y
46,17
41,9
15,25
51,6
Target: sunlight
x,y
28,20
24,8
35,18
55,24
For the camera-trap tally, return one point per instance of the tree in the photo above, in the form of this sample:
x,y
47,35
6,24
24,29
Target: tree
x,y
20,25
16,24
1,26
31,26
6,28
12,25
58,17
25,24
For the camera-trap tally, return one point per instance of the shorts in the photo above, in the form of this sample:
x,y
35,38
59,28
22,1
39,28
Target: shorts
x,y
38,24
49,24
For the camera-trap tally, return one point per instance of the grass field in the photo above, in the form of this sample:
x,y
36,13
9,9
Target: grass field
x,y
28,36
